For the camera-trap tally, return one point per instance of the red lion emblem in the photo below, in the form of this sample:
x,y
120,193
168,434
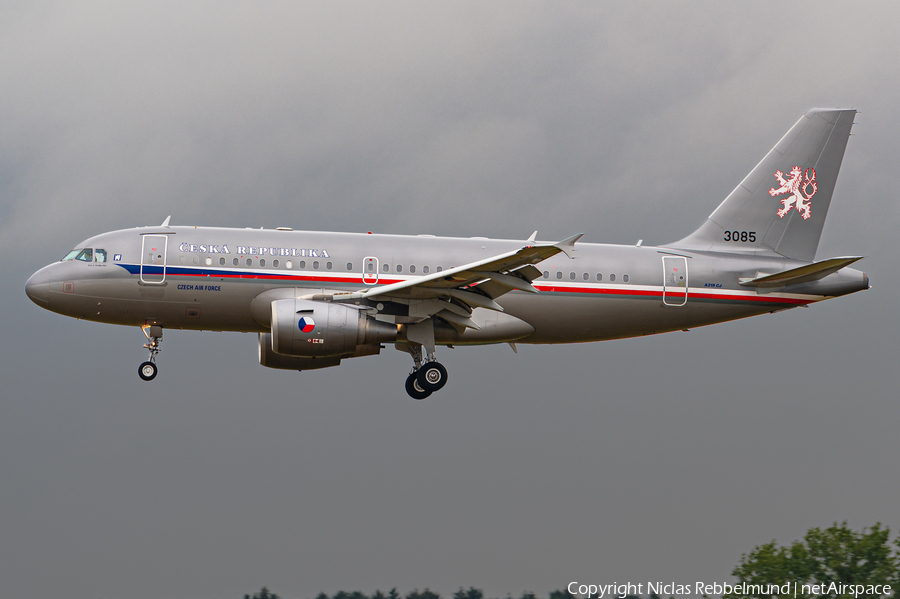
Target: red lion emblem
x,y
797,186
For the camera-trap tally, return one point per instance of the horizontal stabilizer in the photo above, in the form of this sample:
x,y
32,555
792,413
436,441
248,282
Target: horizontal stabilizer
x,y
803,274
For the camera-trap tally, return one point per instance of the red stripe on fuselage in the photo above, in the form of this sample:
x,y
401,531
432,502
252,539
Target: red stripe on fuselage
x,y
624,291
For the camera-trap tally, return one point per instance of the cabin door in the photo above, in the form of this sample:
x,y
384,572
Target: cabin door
x,y
675,280
153,259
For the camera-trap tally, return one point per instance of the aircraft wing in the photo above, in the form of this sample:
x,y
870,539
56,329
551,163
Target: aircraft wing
x,y
473,285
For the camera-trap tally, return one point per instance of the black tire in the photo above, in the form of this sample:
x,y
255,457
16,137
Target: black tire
x,y
147,371
432,376
415,391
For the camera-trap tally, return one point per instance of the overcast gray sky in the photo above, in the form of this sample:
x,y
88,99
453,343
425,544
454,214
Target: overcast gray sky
x,y
661,458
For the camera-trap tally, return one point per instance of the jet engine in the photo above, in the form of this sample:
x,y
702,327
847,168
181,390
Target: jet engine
x,y
311,329
270,359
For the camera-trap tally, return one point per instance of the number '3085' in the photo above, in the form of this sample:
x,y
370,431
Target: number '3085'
x,y
740,236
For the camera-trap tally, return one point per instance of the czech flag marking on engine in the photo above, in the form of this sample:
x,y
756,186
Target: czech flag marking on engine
x,y
307,324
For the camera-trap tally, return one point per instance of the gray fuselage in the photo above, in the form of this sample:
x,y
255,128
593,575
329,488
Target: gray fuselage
x,y
203,278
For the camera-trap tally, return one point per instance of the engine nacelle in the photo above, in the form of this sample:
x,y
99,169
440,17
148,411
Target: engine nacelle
x,y
270,359
309,329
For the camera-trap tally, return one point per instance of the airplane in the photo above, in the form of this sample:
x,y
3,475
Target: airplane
x,y
316,298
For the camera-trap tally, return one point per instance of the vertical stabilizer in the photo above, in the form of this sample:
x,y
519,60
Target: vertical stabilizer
x,y
780,207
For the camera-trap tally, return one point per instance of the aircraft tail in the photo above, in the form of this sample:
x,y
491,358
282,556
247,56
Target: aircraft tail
x,y
780,207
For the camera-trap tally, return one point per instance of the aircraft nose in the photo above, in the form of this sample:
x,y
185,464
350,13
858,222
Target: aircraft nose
x,y
37,288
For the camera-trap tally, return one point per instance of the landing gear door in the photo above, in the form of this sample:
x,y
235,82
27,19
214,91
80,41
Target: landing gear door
x,y
153,259
370,270
675,280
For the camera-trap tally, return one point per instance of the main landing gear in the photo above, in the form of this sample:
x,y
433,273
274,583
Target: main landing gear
x,y
148,370
425,378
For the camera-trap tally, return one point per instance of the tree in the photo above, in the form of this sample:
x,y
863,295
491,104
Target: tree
x,y
264,593
426,594
835,555
563,594
472,593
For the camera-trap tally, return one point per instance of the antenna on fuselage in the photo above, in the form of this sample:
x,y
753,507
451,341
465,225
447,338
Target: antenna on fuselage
x,y
166,222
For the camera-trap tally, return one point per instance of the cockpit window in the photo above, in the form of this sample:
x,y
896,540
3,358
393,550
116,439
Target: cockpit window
x,y
99,255
86,255
71,255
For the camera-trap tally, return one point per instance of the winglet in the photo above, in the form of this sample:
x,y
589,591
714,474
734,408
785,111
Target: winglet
x,y
166,222
533,236
567,246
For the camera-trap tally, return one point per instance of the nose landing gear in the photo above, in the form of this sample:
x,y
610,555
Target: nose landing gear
x,y
148,370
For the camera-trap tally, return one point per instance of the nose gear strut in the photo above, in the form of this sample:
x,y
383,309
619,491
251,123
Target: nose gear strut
x,y
148,370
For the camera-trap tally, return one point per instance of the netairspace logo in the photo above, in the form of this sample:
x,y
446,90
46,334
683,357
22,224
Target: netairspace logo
x,y
672,589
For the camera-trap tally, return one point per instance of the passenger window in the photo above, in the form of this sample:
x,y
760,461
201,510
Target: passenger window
x,y
350,267
385,268
412,268
262,261
249,261
612,278
599,277
86,255
328,265
440,268
71,255
425,269
289,264
585,277
399,268
315,265
559,274
546,275
572,276
209,261
302,264
99,255
625,278
235,261
275,263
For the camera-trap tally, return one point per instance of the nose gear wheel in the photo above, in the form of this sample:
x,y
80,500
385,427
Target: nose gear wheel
x,y
148,370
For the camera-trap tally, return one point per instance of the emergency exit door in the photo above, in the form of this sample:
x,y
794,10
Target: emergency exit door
x,y
370,270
